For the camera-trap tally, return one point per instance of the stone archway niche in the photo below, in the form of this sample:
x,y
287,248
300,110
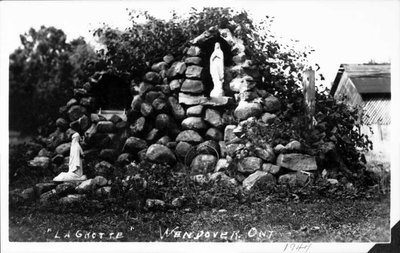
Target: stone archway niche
x,y
114,96
234,59
207,48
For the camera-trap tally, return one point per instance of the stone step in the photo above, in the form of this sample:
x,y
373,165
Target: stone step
x,y
202,100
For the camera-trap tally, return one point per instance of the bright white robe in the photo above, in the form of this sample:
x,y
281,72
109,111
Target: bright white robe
x,y
75,171
217,71
75,161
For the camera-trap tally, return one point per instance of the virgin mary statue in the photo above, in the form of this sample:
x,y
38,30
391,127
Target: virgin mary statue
x,y
75,170
217,71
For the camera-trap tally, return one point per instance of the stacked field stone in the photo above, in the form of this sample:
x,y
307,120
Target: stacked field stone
x,y
265,165
171,120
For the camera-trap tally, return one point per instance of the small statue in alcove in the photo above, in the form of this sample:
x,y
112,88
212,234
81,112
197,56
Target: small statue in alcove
x,y
217,71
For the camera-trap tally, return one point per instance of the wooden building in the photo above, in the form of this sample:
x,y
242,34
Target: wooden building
x,y
368,86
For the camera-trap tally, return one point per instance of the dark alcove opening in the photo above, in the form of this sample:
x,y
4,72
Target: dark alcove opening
x,y
207,49
113,93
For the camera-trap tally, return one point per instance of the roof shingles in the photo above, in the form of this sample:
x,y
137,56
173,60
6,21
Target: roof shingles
x,y
372,82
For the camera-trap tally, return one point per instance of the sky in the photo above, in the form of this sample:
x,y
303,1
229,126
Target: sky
x,y
339,31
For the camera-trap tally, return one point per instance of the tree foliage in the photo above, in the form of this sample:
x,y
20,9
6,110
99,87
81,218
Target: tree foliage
x,y
43,73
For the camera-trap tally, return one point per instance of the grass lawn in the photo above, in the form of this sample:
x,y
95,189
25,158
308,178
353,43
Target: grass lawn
x,y
322,220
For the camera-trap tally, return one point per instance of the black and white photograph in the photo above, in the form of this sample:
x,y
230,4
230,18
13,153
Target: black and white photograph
x,y
240,126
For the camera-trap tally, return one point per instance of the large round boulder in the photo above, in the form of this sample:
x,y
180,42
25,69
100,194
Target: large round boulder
x,y
152,77
146,109
176,108
65,188
229,135
133,144
298,179
246,110
163,121
266,153
63,149
297,162
62,124
193,60
194,123
175,85
208,147
194,51
124,159
41,188
153,135
194,72
214,134
196,110
240,84
214,118
182,148
203,163
158,153
268,118
271,104
157,67
108,154
89,102
40,162
189,136
260,179
192,86
104,169
136,103
56,138
250,164
72,102
138,126
160,105
105,127
45,152
177,69
76,111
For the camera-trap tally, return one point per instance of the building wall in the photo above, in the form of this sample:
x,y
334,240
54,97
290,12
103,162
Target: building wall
x,y
346,88
380,137
379,134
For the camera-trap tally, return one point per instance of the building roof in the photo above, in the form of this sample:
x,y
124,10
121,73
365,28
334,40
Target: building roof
x,y
372,82
368,78
376,111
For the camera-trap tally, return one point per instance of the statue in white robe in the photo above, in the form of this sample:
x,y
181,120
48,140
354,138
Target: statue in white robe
x,y
217,71
75,171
